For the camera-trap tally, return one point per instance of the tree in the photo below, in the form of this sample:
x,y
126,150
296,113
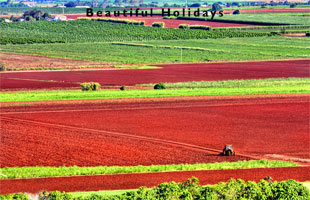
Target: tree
x,y
216,7
195,5
236,12
70,4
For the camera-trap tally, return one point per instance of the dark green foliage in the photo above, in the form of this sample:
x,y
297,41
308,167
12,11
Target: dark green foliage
x,y
2,66
184,26
123,88
158,24
159,86
191,190
91,86
308,34
216,7
236,12
293,5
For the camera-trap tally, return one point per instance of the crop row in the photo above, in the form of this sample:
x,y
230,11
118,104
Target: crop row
x,y
96,31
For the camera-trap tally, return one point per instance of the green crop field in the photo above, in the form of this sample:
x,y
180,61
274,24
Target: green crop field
x,y
283,18
160,51
98,31
33,172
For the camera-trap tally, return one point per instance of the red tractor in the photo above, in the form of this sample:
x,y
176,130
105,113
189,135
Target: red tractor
x,y
228,150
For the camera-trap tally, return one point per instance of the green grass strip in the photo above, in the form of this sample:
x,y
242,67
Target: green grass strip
x,y
108,94
270,82
33,172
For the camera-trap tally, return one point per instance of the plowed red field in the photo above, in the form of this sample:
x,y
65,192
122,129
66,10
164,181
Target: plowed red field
x,y
133,181
169,73
155,132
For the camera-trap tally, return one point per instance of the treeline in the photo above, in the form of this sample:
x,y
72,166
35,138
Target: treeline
x,y
191,190
96,31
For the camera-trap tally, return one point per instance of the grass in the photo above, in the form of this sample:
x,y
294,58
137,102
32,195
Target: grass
x,y
232,49
104,192
274,82
116,94
33,172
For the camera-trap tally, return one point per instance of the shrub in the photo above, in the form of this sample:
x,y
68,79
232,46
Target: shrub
x,y
158,24
2,66
184,26
90,86
293,5
123,88
307,34
159,86
236,12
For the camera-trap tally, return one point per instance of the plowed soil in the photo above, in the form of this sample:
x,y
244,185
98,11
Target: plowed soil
x,y
168,73
133,181
12,60
159,132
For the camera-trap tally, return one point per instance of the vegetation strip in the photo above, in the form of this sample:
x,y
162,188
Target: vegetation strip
x,y
275,82
191,189
37,171
101,94
232,87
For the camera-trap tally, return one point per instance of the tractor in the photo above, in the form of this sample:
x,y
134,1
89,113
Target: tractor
x,y
228,150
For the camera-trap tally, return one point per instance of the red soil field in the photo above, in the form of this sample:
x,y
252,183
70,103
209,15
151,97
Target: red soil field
x,y
8,83
171,73
261,127
133,181
25,143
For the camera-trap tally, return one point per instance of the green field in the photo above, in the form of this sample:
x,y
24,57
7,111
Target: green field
x,y
289,88
33,172
272,82
98,31
282,18
166,52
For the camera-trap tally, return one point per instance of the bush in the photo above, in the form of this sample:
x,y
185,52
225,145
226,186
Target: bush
x,y
236,12
123,88
293,5
307,34
2,66
158,24
159,86
184,26
90,86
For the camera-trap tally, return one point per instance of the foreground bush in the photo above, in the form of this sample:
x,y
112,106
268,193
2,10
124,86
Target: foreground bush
x,y
158,24
190,189
91,86
159,86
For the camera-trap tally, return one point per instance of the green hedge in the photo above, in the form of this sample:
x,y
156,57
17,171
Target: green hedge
x,y
190,189
201,27
158,24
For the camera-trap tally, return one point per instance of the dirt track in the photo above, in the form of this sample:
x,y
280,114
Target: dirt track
x,y
133,181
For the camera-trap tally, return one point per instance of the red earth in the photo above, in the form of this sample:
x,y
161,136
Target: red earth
x,y
168,73
133,181
173,23
158,132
